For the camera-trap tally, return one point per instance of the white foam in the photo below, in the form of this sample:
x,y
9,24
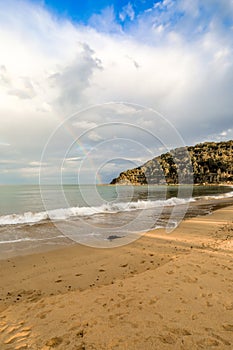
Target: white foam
x,y
28,217
219,196
66,213
27,239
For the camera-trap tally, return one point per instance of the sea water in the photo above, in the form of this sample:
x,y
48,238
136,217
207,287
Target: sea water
x,y
32,215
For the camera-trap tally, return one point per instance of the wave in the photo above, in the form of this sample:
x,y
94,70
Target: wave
x,y
27,239
220,196
66,213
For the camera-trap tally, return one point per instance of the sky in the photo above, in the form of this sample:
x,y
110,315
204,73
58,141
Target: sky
x,y
104,86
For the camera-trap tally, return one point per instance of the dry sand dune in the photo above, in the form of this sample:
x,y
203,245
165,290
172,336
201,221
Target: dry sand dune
x,y
161,292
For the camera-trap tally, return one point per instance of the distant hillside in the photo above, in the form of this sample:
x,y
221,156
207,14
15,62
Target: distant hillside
x,y
212,163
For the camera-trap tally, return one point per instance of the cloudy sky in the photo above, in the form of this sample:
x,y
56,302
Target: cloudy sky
x,y
66,65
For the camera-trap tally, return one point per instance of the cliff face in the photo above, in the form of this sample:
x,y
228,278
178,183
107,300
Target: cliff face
x,y
211,163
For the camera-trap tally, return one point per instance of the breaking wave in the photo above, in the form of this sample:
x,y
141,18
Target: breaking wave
x,y
66,213
219,196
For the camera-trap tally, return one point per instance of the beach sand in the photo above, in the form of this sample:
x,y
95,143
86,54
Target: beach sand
x,y
163,291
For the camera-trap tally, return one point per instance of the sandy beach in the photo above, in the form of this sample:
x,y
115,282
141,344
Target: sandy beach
x,y
163,291
116,175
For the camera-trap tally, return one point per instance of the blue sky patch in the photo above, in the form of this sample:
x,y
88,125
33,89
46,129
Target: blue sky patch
x,y
82,11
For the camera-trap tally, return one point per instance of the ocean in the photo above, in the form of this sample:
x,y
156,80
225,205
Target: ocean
x,y
34,217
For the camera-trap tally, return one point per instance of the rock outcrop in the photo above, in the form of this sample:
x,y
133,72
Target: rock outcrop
x,y
206,163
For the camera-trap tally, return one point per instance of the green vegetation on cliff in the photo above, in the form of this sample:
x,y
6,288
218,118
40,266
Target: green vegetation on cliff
x,y
209,163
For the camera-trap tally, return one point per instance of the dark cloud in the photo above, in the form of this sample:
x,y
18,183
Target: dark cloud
x,y
72,81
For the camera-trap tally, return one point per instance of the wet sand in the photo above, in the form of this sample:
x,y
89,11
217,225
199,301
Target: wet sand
x,y
163,291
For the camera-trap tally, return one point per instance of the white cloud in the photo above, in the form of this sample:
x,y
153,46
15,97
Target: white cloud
x,y
73,159
4,77
127,11
25,90
84,124
4,144
105,21
94,136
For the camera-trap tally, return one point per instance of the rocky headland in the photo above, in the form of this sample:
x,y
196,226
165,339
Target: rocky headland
x,y
205,163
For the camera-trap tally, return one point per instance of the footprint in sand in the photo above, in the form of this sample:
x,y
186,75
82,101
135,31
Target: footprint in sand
x,y
123,265
208,342
228,306
228,327
188,279
167,339
224,341
54,342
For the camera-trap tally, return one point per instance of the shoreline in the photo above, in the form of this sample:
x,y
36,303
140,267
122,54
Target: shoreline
x,y
162,291
57,242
